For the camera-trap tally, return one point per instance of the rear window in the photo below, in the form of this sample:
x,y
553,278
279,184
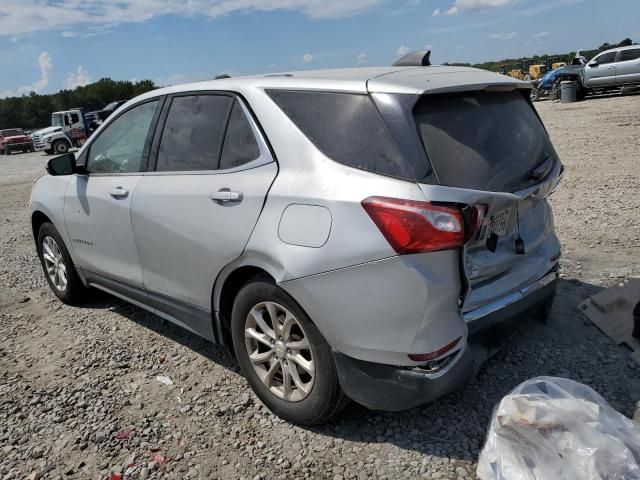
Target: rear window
x,y
11,133
345,127
483,140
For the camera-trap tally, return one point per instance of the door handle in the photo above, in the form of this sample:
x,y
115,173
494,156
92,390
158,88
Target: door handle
x,y
226,195
119,192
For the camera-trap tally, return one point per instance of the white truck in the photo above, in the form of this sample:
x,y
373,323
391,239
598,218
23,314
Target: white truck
x,y
69,129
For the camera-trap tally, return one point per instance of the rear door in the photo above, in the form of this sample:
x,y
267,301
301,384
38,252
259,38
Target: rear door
x,y
491,150
601,71
194,213
628,67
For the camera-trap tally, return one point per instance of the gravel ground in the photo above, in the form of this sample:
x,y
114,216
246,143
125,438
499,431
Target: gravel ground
x,y
79,396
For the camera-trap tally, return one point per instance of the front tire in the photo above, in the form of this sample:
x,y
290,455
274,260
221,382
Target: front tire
x,y
58,267
283,356
60,147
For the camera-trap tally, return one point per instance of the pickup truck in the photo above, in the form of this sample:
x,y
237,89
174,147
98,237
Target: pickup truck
x,y
13,140
612,69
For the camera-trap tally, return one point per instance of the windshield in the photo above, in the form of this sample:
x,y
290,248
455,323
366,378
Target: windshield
x,y
12,132
57,120
487,141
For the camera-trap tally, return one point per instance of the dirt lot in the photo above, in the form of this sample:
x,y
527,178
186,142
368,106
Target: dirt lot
x,y
72,379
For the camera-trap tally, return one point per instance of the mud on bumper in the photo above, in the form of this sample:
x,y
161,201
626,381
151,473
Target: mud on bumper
x,y
390,388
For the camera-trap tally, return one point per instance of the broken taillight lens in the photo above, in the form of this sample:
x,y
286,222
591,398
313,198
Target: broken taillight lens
x,y
425,357
412,226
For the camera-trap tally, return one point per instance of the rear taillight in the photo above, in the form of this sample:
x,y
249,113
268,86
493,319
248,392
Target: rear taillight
x,y
412,227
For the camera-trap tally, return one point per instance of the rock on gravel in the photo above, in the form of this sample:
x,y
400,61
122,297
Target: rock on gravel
x,y
73,379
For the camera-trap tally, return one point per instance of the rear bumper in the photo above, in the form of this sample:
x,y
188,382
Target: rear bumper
x,y
18,146
385,387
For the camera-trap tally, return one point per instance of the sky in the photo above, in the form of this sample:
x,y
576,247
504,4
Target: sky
x,y
48,45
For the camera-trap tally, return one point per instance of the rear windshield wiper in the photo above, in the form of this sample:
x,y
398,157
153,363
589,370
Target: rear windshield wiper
x,y
543,168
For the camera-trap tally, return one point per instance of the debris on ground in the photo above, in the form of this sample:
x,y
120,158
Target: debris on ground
x,y
612,311
549,428
165,380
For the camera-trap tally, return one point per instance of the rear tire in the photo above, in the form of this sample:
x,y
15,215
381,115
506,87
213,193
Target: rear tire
x,y
58,267
313,395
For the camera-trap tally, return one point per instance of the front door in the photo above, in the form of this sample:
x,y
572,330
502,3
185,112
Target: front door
x,y
601,71
195,213
98,204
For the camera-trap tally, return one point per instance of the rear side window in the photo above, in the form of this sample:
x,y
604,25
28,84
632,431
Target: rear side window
x,y
482,140
193,133
240,144
632,54
345,127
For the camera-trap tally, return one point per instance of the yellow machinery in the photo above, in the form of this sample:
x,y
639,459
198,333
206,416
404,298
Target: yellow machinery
x,y
534,71
558,65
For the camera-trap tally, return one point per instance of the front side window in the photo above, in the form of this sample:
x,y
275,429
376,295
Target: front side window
x,y
120,146
193,133
605,58
631,54
347,128
240,145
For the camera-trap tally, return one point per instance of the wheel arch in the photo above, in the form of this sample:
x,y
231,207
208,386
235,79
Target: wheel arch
x,y
229,282
38,218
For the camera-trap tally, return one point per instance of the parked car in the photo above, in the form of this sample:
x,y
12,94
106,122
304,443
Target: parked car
x,y
612,69
13,140
347,233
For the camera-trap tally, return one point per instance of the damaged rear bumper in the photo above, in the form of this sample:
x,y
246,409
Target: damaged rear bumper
x,y
391,388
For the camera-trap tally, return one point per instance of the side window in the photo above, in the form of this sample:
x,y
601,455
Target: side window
x,y
632,54
193,133
347,128
240,145
75,118
605,58
120,146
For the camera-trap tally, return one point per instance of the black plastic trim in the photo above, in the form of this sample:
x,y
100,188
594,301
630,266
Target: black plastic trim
x,y
191,317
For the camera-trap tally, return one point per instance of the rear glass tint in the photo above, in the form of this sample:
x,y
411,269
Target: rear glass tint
x,y
345,127
483,140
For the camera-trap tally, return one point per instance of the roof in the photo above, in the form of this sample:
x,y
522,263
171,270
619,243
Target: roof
x,y
411,80
635,46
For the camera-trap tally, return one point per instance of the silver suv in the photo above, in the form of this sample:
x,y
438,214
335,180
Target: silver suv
x,y
365,233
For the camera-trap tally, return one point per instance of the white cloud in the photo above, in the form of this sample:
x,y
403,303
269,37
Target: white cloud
x,y
402,51
45,64
25,16
541,35
307,58
79,78
470,5
361,58
503,36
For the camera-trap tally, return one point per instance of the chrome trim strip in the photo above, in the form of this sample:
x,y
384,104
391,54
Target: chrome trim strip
x,y
509,299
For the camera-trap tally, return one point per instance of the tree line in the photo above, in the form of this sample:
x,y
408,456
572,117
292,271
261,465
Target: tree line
x,y
494,66
34,110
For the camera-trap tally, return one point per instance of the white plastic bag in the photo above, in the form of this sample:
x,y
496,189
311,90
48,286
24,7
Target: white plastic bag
x,y
552,428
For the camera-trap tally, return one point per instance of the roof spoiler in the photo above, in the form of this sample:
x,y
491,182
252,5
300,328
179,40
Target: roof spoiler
x,y
415,59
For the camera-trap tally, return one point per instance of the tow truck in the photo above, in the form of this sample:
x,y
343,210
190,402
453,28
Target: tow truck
x,y
69,129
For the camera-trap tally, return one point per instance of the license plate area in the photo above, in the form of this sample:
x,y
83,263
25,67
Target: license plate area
x,y
497,223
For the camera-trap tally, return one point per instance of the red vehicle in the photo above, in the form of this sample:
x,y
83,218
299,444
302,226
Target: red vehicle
x,y
13,140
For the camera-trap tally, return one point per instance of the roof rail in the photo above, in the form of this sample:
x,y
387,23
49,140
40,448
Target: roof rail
x,y
415,59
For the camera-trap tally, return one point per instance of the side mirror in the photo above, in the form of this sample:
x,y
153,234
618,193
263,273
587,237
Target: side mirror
x,y
63,165
594,64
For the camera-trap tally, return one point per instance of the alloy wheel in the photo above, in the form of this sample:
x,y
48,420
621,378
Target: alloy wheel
x,y
279,351
54,263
